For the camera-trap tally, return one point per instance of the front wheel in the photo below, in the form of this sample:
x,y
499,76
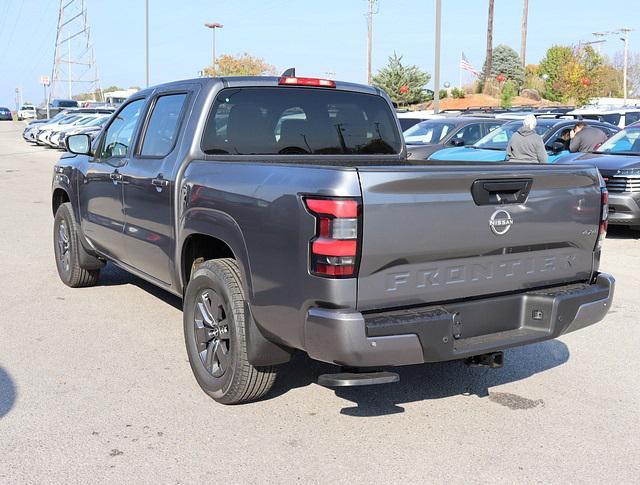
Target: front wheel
x,y
66,247
216,335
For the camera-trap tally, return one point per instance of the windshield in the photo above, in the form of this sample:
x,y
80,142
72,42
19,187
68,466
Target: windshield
x,y
300,121
625,141
69,119
99,121
499,138
427,132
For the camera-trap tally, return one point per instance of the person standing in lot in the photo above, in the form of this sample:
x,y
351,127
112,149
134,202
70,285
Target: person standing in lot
x,y
585,138
526,145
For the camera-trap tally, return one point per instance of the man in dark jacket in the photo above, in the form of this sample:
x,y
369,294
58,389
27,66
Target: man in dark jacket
x,y
526,145
585,138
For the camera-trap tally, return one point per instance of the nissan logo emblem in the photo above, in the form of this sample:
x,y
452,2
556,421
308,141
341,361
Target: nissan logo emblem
x,y
500,222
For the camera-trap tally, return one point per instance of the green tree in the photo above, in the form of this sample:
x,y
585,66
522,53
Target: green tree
x,y
240,65
552,69
506,61
509,91
403,84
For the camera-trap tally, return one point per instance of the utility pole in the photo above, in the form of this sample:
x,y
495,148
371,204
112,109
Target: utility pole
x,y
487,71
436,70
146,41
370,13
213,26
523,41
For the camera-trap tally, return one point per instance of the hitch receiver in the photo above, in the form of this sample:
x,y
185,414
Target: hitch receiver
x,y
493,360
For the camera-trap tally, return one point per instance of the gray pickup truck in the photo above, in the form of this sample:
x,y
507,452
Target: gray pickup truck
x,y
283,210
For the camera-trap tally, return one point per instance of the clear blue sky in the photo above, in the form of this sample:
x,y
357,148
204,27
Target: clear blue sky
x,y
313,36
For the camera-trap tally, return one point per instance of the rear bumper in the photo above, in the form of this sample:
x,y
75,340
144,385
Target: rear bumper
x,y
454,331
624,208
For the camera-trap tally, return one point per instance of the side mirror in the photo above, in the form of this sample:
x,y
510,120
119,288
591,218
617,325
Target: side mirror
x,y
556,147
457,142
79,144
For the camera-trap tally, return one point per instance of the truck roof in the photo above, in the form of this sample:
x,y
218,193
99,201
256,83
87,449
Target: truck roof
x,y
250,81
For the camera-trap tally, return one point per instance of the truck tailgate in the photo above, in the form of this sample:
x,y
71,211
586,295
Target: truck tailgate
x,y
426,238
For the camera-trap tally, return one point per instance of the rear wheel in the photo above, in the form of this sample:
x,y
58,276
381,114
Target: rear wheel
x,y
215,335
66,247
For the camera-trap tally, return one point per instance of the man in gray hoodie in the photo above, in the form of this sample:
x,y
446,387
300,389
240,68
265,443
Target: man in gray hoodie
x,y
585,138
526,145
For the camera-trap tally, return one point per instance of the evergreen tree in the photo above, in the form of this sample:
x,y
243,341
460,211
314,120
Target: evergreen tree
x,y
403,84
506,61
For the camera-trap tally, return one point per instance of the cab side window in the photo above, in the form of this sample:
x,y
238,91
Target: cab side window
x,y
162,130
119,134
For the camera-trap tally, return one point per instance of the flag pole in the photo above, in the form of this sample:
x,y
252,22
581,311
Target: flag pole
x,y
460,72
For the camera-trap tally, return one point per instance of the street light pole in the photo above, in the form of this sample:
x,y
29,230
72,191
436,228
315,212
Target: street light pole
x,y
436,73
213,26
625,39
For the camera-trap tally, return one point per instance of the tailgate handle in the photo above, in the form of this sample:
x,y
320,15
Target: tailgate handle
x,y
503,191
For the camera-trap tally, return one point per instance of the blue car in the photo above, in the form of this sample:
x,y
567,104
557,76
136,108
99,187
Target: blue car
x,y
493,147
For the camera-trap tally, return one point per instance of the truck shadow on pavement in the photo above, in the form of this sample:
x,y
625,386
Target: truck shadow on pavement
x,y
427,381
111,275
622,232
8,393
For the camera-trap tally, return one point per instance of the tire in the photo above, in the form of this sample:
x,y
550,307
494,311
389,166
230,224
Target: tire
x,y
216,336
66,246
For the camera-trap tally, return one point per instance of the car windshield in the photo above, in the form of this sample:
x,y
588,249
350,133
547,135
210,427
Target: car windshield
x,y
427,132
624,142
99,121
28,108
68,120
84,121
499,138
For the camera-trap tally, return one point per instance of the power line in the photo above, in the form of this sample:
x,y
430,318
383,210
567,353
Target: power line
x,y
6,47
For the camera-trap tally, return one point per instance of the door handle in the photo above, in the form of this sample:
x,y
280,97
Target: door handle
x,y
116,177
160,182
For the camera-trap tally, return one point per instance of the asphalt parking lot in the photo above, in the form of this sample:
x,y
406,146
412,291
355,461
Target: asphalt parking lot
x,y
95,387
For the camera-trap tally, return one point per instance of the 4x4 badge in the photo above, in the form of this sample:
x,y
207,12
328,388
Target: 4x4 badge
x,y
500,222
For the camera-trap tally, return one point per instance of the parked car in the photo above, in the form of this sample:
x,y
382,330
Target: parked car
x,y
27,112
410,118
208,189
493,147
5,114
64,103
92,127
618,160
619,117
53,139
427,137
39,131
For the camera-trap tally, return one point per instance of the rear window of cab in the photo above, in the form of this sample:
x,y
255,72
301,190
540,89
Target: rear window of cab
x,y
299,121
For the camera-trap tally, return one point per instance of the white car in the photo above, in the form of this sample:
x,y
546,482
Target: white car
x,y
618,116
53,137
43,134
27,112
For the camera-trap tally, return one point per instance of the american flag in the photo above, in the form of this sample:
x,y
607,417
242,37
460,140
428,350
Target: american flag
x,y
466,65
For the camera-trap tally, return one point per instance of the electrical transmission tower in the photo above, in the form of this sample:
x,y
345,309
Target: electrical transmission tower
x,y
74,62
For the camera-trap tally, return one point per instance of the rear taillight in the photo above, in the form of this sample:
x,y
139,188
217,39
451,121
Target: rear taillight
x,y
335,248
307,81
604,216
